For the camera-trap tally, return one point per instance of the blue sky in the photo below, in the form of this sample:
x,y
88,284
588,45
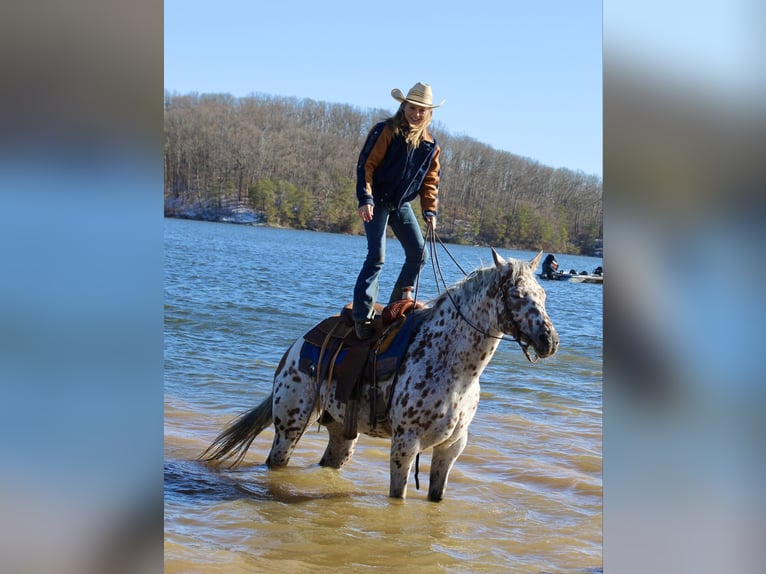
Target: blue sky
x,y
523,77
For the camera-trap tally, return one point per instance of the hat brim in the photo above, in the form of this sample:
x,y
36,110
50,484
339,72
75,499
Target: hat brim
x,y
400,97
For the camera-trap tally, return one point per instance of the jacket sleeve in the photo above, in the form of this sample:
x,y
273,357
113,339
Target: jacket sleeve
x,y
372,155
429,191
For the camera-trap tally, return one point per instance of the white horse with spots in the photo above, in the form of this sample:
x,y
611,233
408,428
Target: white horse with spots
x,y
434,394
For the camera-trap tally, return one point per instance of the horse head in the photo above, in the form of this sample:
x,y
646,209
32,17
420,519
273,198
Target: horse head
x,y
524,316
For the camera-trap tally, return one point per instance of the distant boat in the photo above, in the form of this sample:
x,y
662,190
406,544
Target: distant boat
x,y
550,272
573,278
587,279
556,276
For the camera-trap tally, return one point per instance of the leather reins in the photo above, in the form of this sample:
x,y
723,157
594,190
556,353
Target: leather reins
x,y
431,239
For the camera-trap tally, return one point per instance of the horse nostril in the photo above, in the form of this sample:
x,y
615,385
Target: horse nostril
x,y
549,338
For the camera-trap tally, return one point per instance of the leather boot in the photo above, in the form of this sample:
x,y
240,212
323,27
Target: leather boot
x,y
364,329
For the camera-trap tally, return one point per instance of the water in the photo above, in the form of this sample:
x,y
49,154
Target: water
x,y
525,496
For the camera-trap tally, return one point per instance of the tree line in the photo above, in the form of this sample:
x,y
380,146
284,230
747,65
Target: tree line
x,y
293,162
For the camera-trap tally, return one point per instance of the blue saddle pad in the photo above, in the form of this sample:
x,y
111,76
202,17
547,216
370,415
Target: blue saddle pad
x,y
388,360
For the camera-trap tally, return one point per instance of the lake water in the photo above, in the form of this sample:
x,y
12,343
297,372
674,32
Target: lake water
x,y
525,495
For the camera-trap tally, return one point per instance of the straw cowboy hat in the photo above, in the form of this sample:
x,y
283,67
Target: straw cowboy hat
x,y
419,95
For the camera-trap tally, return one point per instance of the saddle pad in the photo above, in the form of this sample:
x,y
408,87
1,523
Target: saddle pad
x,y
395,344
347,369
309,358
390,352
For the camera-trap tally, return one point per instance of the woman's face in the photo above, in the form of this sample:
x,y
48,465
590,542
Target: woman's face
x,y
415,115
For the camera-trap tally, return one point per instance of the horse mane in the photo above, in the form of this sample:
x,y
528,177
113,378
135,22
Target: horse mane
x,y
471,282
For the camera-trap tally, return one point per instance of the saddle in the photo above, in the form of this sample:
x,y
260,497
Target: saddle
x,y
331,350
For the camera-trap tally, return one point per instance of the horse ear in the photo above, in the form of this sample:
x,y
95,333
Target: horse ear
x,y
536,261
498,260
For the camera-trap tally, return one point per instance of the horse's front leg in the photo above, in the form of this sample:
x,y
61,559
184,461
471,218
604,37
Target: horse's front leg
x,y
442,460
404,449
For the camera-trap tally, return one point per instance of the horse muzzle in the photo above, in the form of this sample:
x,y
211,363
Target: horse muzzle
x,y
547,343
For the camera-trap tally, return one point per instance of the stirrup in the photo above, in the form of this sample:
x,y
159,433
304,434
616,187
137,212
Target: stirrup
x,y
364,329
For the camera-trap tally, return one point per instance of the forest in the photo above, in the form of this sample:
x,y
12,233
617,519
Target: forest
x,y
292,162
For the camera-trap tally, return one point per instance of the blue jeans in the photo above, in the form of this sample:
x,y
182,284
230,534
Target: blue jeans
x,y
407,230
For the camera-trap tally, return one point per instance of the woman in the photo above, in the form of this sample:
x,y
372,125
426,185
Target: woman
x,y
399,161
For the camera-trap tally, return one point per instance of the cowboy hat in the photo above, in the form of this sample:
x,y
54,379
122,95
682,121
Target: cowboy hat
x,y
419,95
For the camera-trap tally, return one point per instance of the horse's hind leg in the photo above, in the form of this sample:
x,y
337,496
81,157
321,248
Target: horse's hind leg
x,y
283,445
441,463
339,450
294,410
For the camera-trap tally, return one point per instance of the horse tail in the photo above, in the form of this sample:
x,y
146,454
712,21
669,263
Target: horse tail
x,y
239,435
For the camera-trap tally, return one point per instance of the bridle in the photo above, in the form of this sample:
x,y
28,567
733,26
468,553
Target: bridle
x,y
431,240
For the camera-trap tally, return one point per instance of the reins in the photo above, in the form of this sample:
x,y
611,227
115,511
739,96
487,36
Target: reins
x,y
431,239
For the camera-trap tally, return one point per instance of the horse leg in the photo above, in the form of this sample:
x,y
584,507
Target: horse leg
x,y
404,449
294,411
442,460
282,447
339,450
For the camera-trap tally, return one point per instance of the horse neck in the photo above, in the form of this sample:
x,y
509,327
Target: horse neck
x,y
472,308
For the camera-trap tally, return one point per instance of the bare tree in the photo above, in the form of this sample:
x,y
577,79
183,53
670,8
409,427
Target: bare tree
x,y
294,162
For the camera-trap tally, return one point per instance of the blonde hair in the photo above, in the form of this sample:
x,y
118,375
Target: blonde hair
x,y
414,136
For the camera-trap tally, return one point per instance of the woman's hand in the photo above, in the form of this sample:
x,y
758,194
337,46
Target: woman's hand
x,y
365,212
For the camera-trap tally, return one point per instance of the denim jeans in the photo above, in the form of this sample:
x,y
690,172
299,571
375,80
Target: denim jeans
x,y
407,230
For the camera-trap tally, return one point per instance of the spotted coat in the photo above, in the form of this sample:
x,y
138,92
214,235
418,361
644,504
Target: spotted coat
x,y
435,393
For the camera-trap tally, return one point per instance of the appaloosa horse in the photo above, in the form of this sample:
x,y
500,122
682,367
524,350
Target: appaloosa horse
x,y
432,397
